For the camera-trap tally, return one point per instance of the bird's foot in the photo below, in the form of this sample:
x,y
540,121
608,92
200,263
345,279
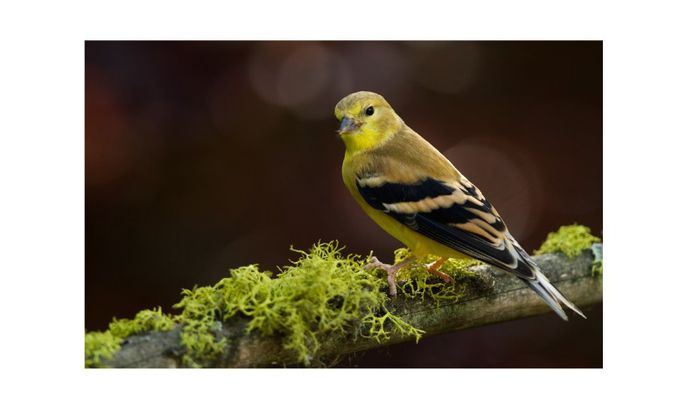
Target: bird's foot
x,y
391,271
433,269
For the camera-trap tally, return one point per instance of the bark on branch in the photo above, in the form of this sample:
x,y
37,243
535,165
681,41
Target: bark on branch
x,y
492,296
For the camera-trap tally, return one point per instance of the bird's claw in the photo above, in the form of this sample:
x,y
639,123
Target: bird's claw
x,y
433,269
374,263
391,272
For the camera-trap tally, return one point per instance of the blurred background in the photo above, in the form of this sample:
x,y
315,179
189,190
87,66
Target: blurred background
x,y
202,156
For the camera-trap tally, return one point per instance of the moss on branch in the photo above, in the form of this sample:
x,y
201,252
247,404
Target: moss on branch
x,y
322,303
570,240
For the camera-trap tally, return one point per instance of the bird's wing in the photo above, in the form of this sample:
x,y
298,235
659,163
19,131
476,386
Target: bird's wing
x,y
452,212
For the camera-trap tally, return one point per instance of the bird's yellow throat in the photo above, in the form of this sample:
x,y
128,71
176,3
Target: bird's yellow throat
x,y
362,140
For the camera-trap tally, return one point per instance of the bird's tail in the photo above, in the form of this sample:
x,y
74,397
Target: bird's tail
x,y
551,295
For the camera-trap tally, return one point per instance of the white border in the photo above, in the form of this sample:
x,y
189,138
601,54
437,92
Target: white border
x,y
650,192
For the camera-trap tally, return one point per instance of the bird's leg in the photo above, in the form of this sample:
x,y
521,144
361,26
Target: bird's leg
x,y
434,267
391,271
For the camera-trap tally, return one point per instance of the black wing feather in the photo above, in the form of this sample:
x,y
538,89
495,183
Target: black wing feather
x,y
398,192
437,224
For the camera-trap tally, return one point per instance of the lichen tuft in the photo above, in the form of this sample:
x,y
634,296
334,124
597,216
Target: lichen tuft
x,y
415,282
99,348
320,293
144,321
570,240
200,319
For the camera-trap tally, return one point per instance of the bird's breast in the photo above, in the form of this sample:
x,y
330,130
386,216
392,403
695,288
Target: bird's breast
x,y
386,222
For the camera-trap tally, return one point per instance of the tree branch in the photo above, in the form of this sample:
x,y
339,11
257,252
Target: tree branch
x,y
491,296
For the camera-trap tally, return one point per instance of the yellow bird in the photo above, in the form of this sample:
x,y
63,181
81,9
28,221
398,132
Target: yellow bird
x,y
415,194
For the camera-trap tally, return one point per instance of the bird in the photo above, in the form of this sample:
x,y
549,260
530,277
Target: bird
x,y
414,193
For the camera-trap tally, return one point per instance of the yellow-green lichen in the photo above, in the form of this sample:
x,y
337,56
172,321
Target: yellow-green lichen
x,y
144,321
415,282
319,294
376,329
99,348
570,240
201,321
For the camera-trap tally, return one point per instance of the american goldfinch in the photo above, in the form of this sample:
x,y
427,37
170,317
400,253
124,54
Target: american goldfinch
x,y
415,194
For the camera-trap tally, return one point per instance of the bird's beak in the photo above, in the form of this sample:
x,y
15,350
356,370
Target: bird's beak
x,y
347,125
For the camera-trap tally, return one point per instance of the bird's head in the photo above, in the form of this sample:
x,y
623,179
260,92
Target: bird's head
x,y
366,121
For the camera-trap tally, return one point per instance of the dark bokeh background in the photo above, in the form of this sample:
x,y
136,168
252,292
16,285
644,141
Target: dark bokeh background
x,y
201,156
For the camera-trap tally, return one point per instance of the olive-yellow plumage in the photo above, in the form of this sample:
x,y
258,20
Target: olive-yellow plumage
x,y
414,193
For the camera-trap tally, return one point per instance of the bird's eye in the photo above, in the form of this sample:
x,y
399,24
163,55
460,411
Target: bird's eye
x,y
369,111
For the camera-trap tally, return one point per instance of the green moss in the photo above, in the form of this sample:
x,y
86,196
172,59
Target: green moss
x,y
144,321
376,326
415,282
201,343
570,240
320,294
200,317
99,348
